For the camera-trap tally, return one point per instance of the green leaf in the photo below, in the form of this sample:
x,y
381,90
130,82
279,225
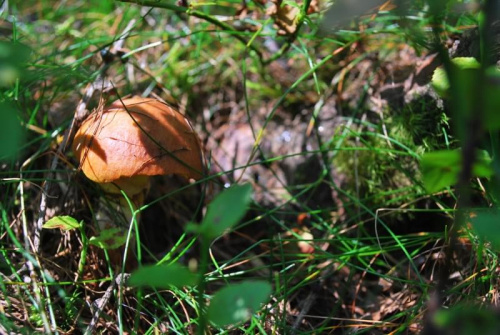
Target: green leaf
x,y
467,319
226,210
466,63
492,99
237,303
13,56
440,169
482,167
109,238
440,81
465,74
62,222
486,224
163,276
192,227
11,132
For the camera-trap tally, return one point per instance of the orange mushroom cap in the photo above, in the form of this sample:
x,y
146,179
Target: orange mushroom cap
x,y
133,139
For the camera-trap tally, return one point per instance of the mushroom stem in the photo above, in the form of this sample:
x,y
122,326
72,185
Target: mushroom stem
x,y
117,211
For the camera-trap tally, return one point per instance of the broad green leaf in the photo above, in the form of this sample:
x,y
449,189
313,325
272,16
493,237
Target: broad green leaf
x,y
13,58
237,303
62,222
163,276
440,81
467,319
109,238
486,224
482,167
440,169
11,132
492,99
463,96
466,63
226,210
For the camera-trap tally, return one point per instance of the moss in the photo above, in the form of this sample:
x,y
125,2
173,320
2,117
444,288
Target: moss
x,y
384,170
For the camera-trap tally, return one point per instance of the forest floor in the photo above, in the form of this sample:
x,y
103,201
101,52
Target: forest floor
x,y
329,134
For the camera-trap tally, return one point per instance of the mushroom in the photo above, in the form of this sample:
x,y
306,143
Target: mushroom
x,y
129,141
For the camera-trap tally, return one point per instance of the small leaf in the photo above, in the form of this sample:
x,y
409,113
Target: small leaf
x,y
62,222
226,210
163,276
440,81
109,238
237,303
440,169
486,224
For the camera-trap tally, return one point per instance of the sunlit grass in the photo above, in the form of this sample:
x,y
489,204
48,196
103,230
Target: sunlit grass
x,y
333,266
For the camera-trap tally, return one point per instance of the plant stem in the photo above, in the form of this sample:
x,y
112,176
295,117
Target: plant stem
x,y
284,48
204,254
83,253
192,12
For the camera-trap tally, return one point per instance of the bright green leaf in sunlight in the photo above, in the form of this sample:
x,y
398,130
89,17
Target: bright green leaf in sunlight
x,y
482,167
163,276
62,222
466,62
464,98
440,169
226,210
467,77
486,224
440,80
11,132
109,238
237,303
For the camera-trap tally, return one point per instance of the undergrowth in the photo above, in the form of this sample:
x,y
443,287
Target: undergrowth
x,y
324,109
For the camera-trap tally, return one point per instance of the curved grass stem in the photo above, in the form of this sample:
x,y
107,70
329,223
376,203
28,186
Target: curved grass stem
x,y
228,28
192,12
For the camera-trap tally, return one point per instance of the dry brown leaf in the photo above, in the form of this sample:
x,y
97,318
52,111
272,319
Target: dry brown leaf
x,y
284,17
